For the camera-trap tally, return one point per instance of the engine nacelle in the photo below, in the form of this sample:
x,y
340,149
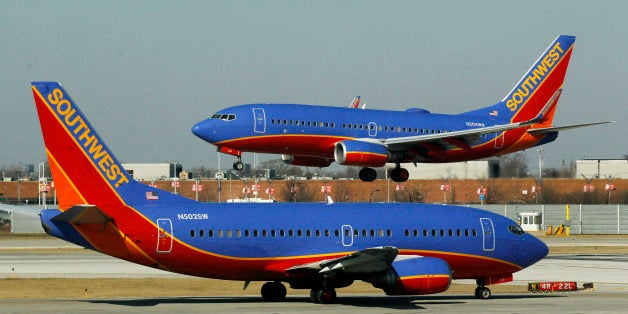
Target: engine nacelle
x,y
359,153
306,161
414,276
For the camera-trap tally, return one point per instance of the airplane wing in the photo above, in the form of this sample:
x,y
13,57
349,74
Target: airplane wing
x,y
462,139
367,261
566,127
23,210
465,138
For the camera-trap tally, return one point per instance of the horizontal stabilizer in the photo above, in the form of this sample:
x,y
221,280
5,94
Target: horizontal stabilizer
x,y
566,127
83,214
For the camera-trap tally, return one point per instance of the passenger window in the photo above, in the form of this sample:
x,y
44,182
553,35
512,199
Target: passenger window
x,y
229,234
264,233
389,233
407,232
291,233
326,232
337,233
474,232
308,233
210,233
220,233
192,233
299,233
318,233
255,233
364,232
201,233
282,233
246,233
273,233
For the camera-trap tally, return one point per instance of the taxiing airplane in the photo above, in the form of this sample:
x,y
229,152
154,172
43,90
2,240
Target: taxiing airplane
x,y
404,249
315,136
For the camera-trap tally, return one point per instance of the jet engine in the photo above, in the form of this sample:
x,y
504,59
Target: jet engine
x,y
360,153
413,276
306,161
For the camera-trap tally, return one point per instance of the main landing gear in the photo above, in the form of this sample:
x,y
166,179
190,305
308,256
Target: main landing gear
x,y
482,292
323,295
368,174
273,291
398,174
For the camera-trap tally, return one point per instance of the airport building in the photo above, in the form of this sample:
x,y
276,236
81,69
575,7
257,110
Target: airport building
x,y
474,169
153,171
602,168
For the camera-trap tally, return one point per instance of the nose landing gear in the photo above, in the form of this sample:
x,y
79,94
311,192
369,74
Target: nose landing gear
x,y
238,165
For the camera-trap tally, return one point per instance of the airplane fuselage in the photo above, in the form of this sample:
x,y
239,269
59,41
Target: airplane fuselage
x,y
309,130
259,242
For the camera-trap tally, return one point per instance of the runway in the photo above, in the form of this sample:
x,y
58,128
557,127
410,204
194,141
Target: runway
x,y
49,258
515,303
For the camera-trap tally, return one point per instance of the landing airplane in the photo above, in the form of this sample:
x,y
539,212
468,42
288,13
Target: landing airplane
x,y
404,249
315,136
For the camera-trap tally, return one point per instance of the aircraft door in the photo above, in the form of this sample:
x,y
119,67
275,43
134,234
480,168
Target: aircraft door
x,y
164,235
488,234
347,235
259,117
372,129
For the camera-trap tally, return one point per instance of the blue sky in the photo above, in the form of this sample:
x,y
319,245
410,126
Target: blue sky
x,y
145,71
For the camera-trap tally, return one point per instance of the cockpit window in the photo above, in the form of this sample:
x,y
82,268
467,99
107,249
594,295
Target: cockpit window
x,y
516,230
225,117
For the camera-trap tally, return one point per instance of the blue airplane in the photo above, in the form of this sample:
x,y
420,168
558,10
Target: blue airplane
x,y
316,136
403,249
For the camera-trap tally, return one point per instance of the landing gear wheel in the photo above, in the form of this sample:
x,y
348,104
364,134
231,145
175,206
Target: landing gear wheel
x,y
238,165
482,293
313,297
399,174
324,295
368,174
273,291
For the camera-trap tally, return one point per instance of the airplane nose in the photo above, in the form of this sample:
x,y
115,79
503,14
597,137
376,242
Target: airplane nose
x,y
203,130
535,250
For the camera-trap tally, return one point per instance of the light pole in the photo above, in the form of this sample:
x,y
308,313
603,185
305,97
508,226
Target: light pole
x,y
540,193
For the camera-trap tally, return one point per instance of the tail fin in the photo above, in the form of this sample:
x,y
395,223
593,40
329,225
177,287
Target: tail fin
x,y
537,92
83,168
355,103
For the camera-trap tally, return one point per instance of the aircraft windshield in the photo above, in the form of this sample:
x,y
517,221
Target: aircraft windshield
x,y
516,230
225,117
